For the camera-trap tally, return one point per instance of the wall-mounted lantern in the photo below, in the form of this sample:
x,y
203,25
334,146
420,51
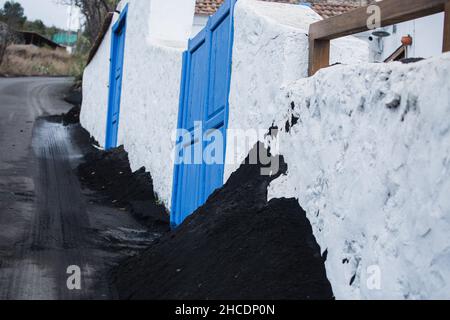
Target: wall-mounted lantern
x,y
407,40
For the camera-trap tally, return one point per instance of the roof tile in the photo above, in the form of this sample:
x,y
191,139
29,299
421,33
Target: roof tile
x,y
209,7
326,10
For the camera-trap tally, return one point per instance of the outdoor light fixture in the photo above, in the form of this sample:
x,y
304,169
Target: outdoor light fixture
x,y
407,40
380,33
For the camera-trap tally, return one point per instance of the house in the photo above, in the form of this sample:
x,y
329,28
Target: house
x,y
206,8
365,144
28,37
146,53
385,44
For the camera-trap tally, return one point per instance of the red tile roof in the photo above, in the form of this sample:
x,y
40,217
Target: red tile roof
x,y
326,10
209,7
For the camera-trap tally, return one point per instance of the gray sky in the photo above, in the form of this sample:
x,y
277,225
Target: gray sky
x,y
49,11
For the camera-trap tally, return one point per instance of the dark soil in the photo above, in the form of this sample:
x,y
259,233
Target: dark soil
x,y
411,60
109,173
74,97
236,246
72,117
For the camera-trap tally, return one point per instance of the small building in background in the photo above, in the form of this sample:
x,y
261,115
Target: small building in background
x,y
38,40
67,39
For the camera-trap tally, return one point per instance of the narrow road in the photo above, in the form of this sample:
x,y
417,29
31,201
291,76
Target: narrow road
x,y
47,222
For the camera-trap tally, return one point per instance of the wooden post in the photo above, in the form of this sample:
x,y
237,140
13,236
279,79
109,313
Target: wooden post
x,y
446,46
319,55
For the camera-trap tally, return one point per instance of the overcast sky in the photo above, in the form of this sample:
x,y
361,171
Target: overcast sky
x,y
49,11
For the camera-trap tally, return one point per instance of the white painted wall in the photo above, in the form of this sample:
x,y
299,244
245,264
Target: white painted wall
x,y
150,92
171,20
95,91
374,181
427,34
270,41
271,50
200,22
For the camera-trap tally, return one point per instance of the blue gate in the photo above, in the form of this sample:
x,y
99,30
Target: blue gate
x,y
115,79
205,88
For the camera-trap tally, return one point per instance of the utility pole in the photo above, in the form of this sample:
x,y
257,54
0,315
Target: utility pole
x,y
69,24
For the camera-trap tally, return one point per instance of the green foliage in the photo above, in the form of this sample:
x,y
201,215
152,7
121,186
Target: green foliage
x,y
83,45
77,66
39,27
113,3
51,31
36,26
13,14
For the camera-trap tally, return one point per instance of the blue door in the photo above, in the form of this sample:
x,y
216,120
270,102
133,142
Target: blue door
x,y
204,95
115,79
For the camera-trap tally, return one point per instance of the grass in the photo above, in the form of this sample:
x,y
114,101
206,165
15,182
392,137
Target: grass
x,y
29,60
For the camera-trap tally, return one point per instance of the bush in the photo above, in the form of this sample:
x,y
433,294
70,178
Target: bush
x,y
29,60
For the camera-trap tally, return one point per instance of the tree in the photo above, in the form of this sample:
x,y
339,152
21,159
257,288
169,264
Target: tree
x,y
95,12
36,26
51,31
13,14
4,39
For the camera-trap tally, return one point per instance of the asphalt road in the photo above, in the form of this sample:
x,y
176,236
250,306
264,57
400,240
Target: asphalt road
x,y
47,222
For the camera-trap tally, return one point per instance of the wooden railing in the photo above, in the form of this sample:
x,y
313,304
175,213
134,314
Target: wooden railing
x,y
392,12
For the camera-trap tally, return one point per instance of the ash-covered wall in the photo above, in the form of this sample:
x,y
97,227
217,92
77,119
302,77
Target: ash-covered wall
x,y
369,160
271,50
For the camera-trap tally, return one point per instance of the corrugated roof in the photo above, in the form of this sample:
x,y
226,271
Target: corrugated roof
x,y
326,10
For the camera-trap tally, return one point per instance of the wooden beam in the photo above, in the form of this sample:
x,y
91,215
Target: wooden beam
x,y
401,51
446,46
392,12
319,55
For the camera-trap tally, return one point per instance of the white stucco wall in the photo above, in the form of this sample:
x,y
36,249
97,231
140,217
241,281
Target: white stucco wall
x,y
171,20
150,93
270,50
270,41
200,22
374,175
95,91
